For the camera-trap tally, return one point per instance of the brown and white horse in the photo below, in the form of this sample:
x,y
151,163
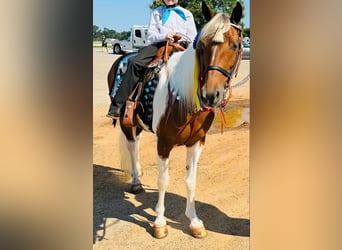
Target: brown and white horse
x,y
183,108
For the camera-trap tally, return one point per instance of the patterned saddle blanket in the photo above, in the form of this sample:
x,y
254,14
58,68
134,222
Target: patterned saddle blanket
x,y
145,102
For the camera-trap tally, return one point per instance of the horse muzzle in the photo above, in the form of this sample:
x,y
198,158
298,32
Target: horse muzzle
x,y
213,98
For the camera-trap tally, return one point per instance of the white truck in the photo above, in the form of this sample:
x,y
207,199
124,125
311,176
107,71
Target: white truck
x,y
136,40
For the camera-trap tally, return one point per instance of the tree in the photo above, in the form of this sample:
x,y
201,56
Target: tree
x,y
195,7
246,32
96,32
124,35
109,33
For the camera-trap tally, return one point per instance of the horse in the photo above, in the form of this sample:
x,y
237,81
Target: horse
x,y
192,84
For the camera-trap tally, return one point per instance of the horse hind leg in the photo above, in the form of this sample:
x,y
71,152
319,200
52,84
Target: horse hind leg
x,y
197,228
130,162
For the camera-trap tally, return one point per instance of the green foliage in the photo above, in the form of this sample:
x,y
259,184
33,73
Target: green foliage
x,y
96,33
109,33
246,32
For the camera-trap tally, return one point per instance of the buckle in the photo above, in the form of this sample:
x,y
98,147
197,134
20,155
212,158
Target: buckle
x,y
184,44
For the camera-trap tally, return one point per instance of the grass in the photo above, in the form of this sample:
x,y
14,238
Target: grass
x,y
98,44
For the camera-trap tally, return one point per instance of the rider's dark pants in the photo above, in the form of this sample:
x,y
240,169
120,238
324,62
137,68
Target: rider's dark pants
x,y
135,69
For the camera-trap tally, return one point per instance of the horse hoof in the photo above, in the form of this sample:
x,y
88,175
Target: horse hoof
x,y
199,232
137,189
160,232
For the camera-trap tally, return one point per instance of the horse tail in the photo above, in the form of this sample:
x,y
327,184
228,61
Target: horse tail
x,y
125,159
126,156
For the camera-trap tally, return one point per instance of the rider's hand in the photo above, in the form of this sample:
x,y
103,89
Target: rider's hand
x,y
170,35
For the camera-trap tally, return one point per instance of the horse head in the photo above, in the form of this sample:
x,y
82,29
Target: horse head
x,y
219,50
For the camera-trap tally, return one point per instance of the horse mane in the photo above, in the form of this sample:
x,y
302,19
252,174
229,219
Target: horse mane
x,y
182,79
179,73
216,28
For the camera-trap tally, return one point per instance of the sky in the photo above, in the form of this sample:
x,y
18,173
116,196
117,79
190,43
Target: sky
x,y
121,15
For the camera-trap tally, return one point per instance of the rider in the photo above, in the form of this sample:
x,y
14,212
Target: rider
x,y
165,22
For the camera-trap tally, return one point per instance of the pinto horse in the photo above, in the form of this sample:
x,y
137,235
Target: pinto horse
x,y
191,86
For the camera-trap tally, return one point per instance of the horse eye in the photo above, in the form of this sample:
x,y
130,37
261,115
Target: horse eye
x,y
234,46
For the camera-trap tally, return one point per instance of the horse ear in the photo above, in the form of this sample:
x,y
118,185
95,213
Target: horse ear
x,y
207,12
236,14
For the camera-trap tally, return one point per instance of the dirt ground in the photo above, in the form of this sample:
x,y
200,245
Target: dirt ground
x,y
124,221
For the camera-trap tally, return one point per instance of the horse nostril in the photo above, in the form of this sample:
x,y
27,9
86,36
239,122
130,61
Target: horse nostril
x,y
217,94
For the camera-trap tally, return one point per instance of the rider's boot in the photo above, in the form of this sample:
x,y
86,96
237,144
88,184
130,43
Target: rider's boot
x,y
115,110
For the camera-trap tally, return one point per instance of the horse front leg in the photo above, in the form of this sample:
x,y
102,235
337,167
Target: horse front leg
x,y
133,149
197,228
160,228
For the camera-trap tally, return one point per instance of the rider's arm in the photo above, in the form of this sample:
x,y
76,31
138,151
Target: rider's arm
x,y
155,32
191,30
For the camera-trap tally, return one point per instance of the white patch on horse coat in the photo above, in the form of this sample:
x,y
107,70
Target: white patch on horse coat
x,y
192,157
179,72
163,182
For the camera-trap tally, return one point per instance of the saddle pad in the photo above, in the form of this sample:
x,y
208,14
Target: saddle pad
x,y
147,101
120,70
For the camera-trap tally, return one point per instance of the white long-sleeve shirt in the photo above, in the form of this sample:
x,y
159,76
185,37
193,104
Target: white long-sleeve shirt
x,y
157,31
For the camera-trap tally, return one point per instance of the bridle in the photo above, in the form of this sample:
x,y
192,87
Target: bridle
x,y
232,72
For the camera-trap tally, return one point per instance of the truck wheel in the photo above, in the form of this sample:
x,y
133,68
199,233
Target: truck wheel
x,y
116,49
